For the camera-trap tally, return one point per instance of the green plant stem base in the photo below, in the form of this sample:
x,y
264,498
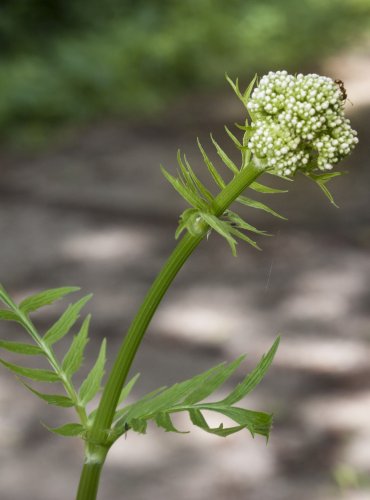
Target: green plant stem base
x,y
105,413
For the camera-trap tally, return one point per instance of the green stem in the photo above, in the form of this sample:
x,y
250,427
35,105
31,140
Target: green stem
x,y
89,481
106,410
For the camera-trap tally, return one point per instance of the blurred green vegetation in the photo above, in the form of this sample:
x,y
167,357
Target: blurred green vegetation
x,y
67,62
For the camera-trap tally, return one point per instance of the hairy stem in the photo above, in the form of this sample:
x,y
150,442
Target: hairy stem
x,y
105,412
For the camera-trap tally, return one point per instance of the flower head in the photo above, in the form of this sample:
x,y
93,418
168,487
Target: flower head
x,y
299,123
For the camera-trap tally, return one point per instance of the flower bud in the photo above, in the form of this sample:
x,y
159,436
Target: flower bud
x,y
299,123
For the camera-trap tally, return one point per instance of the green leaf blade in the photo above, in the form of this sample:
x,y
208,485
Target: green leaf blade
x,y
257,204
72,361
68,430
20,348
91,385
51,399
8,315
32,373
65,322
252,379
45,298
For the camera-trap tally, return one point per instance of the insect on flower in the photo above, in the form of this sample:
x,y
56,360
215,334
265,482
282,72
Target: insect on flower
x,y
341,88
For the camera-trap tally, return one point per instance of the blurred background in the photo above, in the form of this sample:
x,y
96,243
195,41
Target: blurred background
x,y
92,99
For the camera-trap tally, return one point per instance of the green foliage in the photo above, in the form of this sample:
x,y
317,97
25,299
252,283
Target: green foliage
x,y
322,179
72,61
189,396
72,361
202,217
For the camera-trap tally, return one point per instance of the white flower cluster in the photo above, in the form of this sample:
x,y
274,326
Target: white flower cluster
x,y
299,122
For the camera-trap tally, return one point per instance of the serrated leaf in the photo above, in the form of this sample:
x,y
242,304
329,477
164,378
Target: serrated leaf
x,y
184,396
127,389
221,228
198,420
65,322
51,399
211,168
74,357
253,378
184,191
7,315
260,188
45,298
213,382
139,425
257,204
18,347
32,373
227,161
91,385
164,421
68,430
161,398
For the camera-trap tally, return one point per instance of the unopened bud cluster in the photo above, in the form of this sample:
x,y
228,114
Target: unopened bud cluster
x,y
299,123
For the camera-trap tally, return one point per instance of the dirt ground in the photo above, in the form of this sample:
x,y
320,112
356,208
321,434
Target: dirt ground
x,y
96,212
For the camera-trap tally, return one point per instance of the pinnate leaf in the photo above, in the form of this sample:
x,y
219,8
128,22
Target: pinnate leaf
x,y
185,397
45,298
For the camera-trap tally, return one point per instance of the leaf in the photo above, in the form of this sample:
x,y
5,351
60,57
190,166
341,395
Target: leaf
x,y
164,420
222,228
236,141
260,188
21,348
51,399
244,237
322,179
235,87
248,91
33,373
242,224
68,430
198,420
74,357
252,379
127,389
184,191
65,322
185,396
197,183
211,168
45,298
4,297
227,161
213,382
257,204
9,315
91,385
